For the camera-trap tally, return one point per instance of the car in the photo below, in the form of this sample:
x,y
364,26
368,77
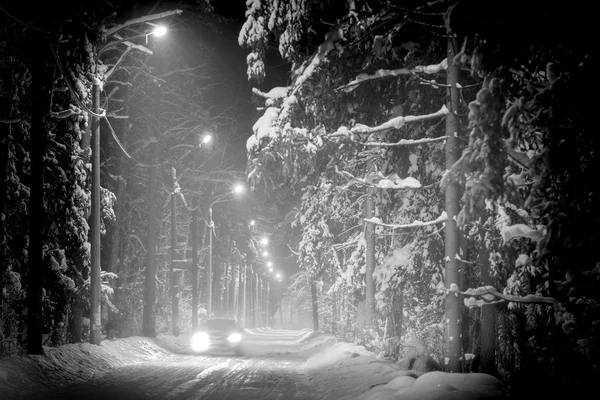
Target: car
x,y
218,335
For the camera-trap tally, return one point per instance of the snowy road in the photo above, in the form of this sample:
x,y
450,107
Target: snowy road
x,y
270,369
199,377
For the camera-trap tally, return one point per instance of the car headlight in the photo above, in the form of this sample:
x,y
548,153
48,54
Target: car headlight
x,y
234,337
200,341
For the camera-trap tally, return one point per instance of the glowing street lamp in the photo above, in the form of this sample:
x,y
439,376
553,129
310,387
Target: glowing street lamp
x,y
160,30
265,253
269,264
264,241
238,188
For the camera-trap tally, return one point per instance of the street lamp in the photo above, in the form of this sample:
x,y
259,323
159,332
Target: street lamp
x,y
264,241
265,254
95,284
160,30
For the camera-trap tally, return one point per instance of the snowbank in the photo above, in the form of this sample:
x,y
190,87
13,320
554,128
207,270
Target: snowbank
x,y
348,371
72,363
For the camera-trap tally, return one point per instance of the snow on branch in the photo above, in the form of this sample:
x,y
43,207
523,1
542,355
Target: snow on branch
x,y
278,92
392,181
396,123
403,142
521,230
324,49
146,18
415,224
483,295
383,73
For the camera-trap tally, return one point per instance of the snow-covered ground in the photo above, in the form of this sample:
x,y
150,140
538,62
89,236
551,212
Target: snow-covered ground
x,y
337,370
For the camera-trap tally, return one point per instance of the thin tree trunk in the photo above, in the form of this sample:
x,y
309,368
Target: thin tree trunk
x,y
488,318
315,305
244,296
370,260
334,313
149,314
453,303
194,266
174,282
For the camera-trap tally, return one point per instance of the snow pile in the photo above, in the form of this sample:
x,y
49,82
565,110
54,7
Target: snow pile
x,y
72,363
348,371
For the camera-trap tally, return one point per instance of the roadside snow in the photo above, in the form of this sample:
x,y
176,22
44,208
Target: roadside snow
x,y
348,371
338,370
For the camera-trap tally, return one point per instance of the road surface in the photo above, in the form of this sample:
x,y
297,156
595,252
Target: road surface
x,y
203,377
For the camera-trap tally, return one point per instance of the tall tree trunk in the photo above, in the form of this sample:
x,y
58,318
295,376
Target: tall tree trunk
x,y
41,94
95,296
5,139
149,315
315,304
453,303
488,317
370,260
194,266
244,295
174,281
334,313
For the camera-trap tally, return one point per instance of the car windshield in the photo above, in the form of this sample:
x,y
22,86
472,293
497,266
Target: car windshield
x,y
219,323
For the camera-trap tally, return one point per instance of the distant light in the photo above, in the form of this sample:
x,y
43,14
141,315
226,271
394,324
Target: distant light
x,y
264,241
278,276
269,264
265,254
238,188
159,30
270,269
252,222
206,138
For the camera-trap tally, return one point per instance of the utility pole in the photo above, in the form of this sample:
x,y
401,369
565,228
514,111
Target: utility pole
x,y
210,248
453,303
194,229
95,304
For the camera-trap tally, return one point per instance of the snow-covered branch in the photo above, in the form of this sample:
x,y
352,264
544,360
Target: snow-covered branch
x,y
521,230
403,142
489,294
395,123
415,224
392,181
146,18
325,47
277,92
383,73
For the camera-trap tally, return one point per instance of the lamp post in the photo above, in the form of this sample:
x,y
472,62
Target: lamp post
x,y
95,285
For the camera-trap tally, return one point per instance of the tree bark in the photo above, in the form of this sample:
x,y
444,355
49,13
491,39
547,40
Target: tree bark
x,y
41,93
95,296
149,314
243,295
488,317
370,260
194,266
174,283
315,305
453,303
